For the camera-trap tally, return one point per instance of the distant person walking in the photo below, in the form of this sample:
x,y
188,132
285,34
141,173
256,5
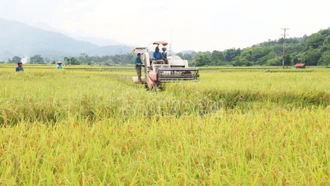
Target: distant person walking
x,y
19,67
138,66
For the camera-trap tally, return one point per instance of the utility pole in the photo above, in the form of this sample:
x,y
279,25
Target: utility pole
x,y
284,42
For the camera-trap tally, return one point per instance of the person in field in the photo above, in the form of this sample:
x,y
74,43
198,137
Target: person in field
x,y
19,67
138,66
157,55
59,65
164,53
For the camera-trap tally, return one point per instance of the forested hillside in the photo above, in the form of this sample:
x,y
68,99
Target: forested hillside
x,y
312,50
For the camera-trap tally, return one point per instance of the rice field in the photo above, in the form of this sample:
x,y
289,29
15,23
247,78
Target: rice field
x,y
236,126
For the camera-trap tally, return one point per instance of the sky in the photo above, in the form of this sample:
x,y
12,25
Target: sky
x,y
201,25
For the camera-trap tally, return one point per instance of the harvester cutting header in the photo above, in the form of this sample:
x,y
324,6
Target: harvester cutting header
x,y
161,69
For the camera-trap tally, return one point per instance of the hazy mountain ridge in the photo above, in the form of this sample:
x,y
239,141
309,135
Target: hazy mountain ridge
x,y
96,40
19,39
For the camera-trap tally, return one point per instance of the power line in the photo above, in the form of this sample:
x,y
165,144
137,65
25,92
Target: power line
x,y
284,43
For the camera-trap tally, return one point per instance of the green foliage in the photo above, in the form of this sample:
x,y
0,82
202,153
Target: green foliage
x,y
241,61
202,59
325,59
83,58
311,57
314,41
107,63
287,60
230,54
308,50
274,62
37,59
180,54
218,58
71,61
122,59
187,56
15,59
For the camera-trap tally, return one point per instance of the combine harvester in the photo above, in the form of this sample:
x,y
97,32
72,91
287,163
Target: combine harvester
x,y
158,72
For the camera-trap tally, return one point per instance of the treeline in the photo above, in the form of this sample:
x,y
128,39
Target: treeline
x,y
83,59
312,50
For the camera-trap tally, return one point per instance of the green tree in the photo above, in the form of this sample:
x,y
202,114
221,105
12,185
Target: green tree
x,y
287,60
326,44
230,54
241,61
263,60
274,62
325,59
202,59
180,55
47,60
71,61
107,63
311,57
189,56
314,41
16,59
84,58
37,59
217,58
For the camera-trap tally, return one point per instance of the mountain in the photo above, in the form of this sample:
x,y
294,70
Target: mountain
x,y
46,27
100,41
19,39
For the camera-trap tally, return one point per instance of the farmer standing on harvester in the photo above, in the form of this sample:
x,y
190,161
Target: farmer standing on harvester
x,y
164,53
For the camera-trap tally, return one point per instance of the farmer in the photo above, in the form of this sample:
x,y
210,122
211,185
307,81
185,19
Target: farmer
x,y
157,55
19,67
164,53
138,65
59,65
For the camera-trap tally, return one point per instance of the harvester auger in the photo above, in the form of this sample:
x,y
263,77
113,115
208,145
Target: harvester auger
x,y
158,72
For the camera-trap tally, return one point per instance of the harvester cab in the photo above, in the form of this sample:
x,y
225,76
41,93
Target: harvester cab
x,y
157,72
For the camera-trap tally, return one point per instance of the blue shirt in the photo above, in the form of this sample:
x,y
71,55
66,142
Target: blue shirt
x,y
138,63
18,69
157,56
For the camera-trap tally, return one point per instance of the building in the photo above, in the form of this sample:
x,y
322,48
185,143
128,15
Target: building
x,y
300,65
